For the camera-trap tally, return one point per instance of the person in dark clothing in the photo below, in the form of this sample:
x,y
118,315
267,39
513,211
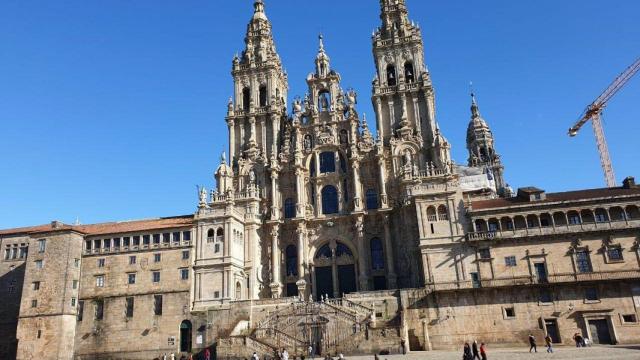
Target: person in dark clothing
x,y
474,349
483,351
466,353
532,342
403,345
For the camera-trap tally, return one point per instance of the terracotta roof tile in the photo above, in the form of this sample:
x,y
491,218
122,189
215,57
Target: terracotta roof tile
x,y
111,227
557,197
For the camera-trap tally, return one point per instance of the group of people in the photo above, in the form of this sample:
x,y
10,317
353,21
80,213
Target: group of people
x,y
581,341
473,352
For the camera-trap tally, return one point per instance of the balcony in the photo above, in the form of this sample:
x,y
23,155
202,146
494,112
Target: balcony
x,y
549,230
561,278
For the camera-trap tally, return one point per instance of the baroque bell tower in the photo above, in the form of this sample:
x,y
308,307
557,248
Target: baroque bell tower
x,y
403,95
260,91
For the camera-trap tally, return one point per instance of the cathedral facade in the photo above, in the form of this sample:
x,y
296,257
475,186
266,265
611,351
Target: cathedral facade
x,y
323,233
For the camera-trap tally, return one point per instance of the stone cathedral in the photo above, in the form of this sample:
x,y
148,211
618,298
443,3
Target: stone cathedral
x,y
324,234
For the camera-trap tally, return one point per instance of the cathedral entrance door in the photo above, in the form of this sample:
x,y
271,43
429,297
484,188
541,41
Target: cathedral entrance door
x,y
347,279
324,282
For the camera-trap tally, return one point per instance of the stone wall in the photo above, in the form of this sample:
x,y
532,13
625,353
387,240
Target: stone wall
x,y
12,273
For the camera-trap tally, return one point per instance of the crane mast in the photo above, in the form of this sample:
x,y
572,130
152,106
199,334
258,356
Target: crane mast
x,y
594,113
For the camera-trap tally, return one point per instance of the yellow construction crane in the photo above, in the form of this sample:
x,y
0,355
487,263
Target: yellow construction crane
x,y
594,113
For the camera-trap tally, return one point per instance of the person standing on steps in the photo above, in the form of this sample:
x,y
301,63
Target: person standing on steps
x,y
474,349
532,342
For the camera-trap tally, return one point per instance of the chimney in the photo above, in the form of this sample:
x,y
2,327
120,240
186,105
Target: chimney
x,y
56,224
629,182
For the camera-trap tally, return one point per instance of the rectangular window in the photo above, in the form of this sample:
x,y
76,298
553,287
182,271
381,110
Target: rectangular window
x,y
39,334
116,242
126,241
176,236
99,313
100,263
216,248
129,307
166,238
510,261
216,294
591,294
107,243
185,255
157,257
485,253
42,245
100,281
583,262
74,284
24,251
601,217
39,264
80,310
186,235
97,244
7,253
615,254
156,276
146,239
629,318
34,303
36,285
73,302
184,274
156,238
509,313
136,240
574,220
157,304
132,260
131,279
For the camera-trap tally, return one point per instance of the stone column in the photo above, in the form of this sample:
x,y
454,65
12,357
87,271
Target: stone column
x,y
334,272
416,113
362,256
384,201
252,130
392,115
255,254
357,193
275,209
379,118
275,262
300,189
388,251
301,283
427,339
232,140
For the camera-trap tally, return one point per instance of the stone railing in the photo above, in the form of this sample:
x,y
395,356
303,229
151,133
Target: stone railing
x,y
550,230
594,276
131,248
279,339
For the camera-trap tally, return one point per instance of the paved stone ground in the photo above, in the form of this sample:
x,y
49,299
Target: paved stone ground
x,y
560,353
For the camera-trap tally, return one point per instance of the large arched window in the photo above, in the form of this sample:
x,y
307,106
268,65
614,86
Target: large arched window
x,y
408,72
219,244
391,75
443,214
372,199
246,98
342,249
292,260
324,252
329,200
289,208
263,96
327,162
377,254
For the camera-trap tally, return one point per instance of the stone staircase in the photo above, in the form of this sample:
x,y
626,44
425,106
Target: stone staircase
x,y
330,326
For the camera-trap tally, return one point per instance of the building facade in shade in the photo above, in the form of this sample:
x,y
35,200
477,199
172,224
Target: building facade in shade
x,y
321,232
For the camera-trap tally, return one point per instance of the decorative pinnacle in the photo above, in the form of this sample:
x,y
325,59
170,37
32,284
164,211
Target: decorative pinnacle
x,y
321,39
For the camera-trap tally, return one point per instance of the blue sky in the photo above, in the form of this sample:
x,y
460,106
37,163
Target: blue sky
x,y
114,110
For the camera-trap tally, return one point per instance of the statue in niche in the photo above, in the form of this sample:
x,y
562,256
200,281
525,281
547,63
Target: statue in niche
x,y
344,138
307,142
252,177
407,158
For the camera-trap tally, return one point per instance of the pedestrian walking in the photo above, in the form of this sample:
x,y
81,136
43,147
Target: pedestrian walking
x,y
207,354
466,352
285,354
172,356
403,345
474,350
548,342
483,351
255,356
311,351
532,342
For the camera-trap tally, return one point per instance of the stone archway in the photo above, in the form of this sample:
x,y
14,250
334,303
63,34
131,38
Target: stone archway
x,y
334,270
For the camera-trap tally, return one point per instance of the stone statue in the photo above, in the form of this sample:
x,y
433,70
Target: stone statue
x,y
324,102
307,142
343,137
407,157
203,196
252,177
297,106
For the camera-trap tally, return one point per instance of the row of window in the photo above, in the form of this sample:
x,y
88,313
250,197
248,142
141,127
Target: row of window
x,y
133,259
129,305
16,251
131,277
582,258
136,240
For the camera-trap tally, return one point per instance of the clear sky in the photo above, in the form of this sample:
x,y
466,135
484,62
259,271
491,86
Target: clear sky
x,y
114,110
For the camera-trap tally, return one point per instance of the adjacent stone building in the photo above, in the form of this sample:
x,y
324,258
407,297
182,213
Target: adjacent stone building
x,y
321,233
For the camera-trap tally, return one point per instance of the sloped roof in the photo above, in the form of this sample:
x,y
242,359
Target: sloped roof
x,y
557,197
